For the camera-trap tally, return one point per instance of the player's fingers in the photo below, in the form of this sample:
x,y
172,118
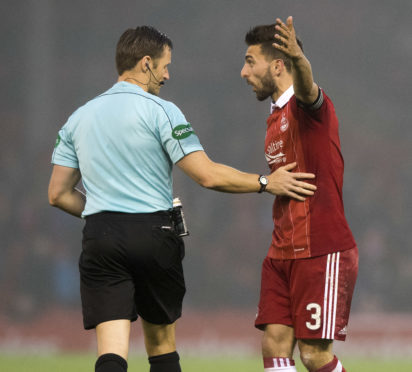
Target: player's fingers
x,y
289,22
282,31
280,23
289,167
280,47
303,175
306,185
302,191
288,28
282,39
295,196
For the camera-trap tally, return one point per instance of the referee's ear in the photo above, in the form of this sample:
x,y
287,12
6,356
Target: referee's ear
x,y
145,63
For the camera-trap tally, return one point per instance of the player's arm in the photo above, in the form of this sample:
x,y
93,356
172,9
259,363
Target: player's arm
x,y
62,191
220,177
306,90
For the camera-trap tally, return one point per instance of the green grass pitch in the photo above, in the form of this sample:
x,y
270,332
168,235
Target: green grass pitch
x,y
85,363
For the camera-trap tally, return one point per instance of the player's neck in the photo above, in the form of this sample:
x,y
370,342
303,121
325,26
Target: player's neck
x,y
282,85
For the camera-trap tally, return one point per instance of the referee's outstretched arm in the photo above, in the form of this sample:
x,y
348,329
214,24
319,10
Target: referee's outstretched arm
x,y
211,175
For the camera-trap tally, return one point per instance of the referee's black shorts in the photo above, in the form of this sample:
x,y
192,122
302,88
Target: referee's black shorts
x,y
130,265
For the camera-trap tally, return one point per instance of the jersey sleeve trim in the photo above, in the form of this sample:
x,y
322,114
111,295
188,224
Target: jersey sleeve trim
x,y
194,149
65,163
312,106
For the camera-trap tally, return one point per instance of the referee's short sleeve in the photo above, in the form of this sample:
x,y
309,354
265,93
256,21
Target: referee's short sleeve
x,y
64,153
176,133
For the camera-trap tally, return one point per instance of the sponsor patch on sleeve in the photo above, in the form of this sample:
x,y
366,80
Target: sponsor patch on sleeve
x,y
182,131
58,139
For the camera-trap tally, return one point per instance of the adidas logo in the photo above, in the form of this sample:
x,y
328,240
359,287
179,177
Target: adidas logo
x,y
343,331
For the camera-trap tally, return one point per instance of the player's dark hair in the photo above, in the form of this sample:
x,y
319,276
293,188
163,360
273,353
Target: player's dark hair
x,y
264,36
136,43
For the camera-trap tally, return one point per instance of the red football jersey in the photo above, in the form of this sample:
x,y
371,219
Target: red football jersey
x,y
309,137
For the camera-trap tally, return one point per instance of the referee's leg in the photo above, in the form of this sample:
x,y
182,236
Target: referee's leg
x,y
160,345
112,345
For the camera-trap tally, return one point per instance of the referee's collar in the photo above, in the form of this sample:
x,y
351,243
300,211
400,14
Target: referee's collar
x,y
126,84
283,99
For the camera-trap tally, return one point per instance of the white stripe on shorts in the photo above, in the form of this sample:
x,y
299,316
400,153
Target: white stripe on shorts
x,y
330,296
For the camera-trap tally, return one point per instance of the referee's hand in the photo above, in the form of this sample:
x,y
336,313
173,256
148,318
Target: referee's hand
x,y
284,182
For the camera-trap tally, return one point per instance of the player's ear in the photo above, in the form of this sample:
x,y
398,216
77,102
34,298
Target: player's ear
x,y
276,67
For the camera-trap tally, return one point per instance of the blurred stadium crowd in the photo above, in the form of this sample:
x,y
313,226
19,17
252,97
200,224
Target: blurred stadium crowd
x,y
48,70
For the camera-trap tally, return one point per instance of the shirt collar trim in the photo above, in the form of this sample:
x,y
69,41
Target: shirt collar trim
x,y
283,99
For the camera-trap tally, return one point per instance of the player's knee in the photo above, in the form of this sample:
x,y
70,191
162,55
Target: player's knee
x,y
314,361
309,359
277,344
315,355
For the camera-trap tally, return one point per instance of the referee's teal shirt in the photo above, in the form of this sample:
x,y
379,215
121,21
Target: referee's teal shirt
x,y
125,142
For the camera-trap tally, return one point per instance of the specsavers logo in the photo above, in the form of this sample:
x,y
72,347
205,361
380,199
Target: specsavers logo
x,y
182,131
58,139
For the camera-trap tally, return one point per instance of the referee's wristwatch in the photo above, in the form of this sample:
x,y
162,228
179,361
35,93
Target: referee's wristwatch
x,y
263,181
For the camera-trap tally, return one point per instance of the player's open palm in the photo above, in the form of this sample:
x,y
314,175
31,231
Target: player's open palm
x,y
286,39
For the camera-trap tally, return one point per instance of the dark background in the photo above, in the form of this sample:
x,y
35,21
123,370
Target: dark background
x,y
57,55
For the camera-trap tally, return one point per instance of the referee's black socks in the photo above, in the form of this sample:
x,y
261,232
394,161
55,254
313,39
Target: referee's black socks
x,y
110,363
165,363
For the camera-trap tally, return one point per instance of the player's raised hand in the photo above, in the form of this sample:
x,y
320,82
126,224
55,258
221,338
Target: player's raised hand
x,y
283,182
286,39
306,90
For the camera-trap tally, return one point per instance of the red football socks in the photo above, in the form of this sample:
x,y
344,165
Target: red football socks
x,y
334,366
279,364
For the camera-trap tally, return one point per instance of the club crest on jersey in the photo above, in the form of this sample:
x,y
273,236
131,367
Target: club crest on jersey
x,y
182,131
284,123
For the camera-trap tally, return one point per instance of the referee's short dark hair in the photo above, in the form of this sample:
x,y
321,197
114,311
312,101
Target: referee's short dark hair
x,y
265,36
136,43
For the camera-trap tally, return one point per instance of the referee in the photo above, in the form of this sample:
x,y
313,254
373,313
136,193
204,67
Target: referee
x,y
122,145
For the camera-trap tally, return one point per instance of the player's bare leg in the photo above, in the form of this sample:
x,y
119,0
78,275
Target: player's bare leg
x,y
277,348
317,355
112,345
278,340
160,345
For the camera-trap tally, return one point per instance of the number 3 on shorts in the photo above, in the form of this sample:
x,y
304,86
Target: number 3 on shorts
x,y
316,310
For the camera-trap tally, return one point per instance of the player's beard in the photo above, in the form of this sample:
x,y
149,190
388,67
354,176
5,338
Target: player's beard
x,y
267,86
